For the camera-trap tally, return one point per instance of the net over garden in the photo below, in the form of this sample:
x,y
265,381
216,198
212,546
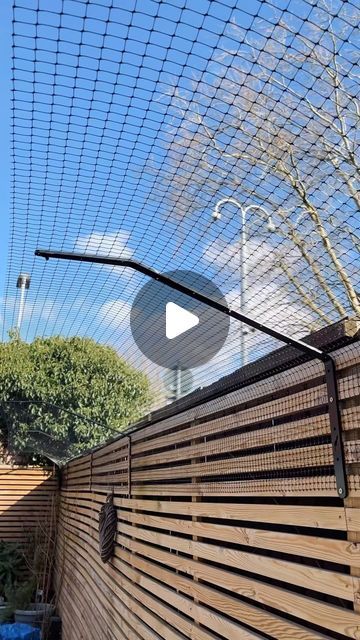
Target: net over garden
x,y
220,138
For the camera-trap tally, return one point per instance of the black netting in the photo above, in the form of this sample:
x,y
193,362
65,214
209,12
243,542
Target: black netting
x,y
132,119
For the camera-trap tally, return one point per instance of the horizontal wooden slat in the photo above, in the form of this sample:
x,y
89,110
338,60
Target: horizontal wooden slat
x,y
168,542
229,522
236,609
319,455
330,617
344,357
26,495
312,516
333,583
315,425
301,516
134,596
283,487
333,550
249,439
302,486
303,457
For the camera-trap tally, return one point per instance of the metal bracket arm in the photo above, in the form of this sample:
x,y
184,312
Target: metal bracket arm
x,y
313,352
335,427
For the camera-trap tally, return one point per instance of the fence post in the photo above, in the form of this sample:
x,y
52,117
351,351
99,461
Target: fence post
x,y
91,472
129,467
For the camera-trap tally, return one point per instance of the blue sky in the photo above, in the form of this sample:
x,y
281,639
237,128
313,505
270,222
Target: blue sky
x,y
5,56
113,209
94,117
139,109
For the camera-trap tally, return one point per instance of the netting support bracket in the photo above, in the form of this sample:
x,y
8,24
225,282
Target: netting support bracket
x,y
309,350
335,425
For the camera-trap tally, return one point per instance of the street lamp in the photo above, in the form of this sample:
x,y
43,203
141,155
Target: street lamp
x,y
216,215
23,283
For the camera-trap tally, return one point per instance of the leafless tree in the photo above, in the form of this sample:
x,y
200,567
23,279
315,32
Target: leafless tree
x,y
275,122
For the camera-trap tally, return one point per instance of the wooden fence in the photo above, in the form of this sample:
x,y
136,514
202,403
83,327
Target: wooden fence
x,y
229,523
26,494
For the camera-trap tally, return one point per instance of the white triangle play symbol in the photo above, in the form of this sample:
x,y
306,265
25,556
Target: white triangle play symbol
x,y
178,320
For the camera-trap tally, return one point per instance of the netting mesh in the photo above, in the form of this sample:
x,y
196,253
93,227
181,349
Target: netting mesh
x,y
131,120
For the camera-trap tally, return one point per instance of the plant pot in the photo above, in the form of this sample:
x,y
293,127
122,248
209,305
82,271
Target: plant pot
x,y
35,614
45,608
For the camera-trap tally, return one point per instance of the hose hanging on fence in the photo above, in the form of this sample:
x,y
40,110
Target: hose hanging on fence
x,y
107,529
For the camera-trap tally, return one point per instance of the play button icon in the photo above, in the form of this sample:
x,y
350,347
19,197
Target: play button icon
x,y
173,329
178,320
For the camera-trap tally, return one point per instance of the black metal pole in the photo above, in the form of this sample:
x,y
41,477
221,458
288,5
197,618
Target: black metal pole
x,y
313,352
173,284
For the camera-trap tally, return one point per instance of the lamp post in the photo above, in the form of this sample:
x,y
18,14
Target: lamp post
x,y
23,283
216,215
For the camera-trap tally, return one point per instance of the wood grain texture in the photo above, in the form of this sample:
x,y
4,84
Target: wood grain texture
x,y
142,584
229,524
26,494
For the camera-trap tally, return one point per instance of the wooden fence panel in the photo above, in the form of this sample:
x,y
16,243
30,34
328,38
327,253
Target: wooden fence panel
x,y
26,495
229,523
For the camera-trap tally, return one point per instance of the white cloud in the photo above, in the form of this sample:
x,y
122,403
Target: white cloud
x,y
109,244
116,314
114,245
266,300
267,297
270,304
42,309
226,257
45,316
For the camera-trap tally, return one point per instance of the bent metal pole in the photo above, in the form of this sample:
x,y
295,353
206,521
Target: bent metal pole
x,y
313,352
